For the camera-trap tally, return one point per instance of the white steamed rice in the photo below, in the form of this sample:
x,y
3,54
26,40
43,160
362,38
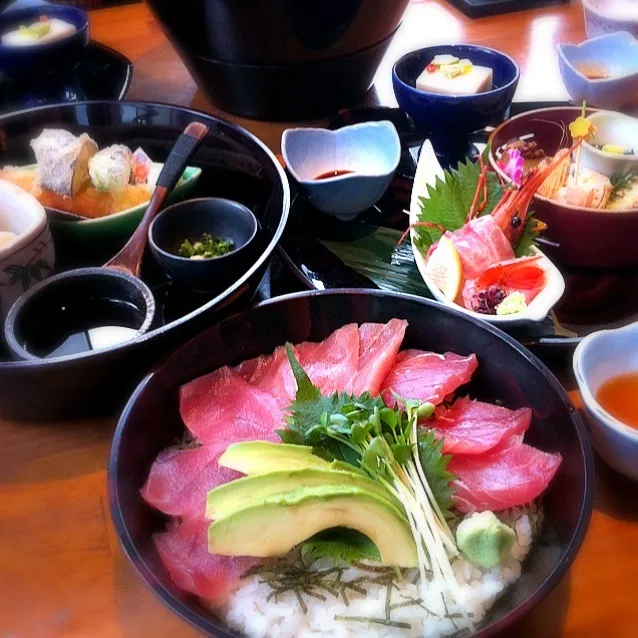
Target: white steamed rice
x,y
251,614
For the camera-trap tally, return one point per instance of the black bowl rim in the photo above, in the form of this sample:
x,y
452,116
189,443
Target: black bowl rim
x,y
270,66
541,592
184,204
45,9
229,292
462,47
80,273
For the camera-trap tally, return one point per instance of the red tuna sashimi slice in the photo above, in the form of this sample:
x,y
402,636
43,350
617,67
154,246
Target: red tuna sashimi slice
x,y
474,427
179,480
379,344
271,373
184,551
427,376
222,406
510,475
480,244
332,364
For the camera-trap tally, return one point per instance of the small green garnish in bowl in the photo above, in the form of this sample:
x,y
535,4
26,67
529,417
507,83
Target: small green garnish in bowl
x,y
206,248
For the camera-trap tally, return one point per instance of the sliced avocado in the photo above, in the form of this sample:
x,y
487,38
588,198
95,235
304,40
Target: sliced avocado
x,y
346,467
236,495
259,457
277,524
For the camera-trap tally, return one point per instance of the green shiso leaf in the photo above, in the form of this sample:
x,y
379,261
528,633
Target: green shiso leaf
x,y
312,416
338,545
528,239
307,392
434,464
451,199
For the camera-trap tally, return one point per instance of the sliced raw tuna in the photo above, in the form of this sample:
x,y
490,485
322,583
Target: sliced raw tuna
x,y
222,406
332,363
512,474
474,427
271,373
379,344
427,376
184,551
179,480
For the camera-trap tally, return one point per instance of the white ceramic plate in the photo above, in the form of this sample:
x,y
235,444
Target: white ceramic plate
x,y
428,169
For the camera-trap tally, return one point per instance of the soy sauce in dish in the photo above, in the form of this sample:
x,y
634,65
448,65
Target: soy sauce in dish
x,y
82,326
593,71
334,173
619,396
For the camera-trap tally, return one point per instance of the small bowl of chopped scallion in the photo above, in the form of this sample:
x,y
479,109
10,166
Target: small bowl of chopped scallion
x,y
204,243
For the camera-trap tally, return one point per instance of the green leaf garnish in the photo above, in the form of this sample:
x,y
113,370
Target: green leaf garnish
x,y
621,182
338,544
450,201
434,464
316,420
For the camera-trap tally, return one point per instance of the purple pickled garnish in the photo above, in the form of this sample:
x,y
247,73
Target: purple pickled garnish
x,y
485,301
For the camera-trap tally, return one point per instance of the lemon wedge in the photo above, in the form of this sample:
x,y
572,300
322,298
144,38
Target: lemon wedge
x,y
443,268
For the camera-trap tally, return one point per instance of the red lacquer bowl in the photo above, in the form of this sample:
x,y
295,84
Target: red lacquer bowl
x,y
585,237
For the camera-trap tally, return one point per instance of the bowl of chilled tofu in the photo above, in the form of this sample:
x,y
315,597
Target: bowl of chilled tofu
x,y
450,91
36,39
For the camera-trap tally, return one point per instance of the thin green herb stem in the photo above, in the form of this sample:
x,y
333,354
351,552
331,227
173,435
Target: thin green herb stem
x,y
435,505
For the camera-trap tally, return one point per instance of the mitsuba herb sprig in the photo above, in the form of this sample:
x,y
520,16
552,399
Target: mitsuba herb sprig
x,y
389,446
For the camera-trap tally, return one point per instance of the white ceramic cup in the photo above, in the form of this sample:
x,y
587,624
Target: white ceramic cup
x,y
599,357
29,258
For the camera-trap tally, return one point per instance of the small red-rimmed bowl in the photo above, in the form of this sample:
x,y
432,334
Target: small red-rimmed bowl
x,y
578,236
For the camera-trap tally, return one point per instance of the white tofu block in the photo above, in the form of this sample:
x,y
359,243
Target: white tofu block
x,y
478,80
58,29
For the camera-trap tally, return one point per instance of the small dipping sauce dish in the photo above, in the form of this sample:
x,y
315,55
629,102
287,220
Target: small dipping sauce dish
x,y
346,171
604,362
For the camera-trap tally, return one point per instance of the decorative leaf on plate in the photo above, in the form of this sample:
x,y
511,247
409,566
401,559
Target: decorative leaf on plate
x,y
377,256
338,544
450,200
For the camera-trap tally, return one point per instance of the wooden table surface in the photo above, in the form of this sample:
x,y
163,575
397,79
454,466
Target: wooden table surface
x,y
62,572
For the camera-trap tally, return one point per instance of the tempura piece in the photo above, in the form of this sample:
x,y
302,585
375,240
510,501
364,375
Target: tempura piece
x,y
63,160
110,168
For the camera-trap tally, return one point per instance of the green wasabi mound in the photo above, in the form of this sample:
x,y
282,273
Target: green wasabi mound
x,y
484,540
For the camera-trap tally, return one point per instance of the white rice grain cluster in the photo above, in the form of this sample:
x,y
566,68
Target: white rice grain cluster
x,y
254,612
